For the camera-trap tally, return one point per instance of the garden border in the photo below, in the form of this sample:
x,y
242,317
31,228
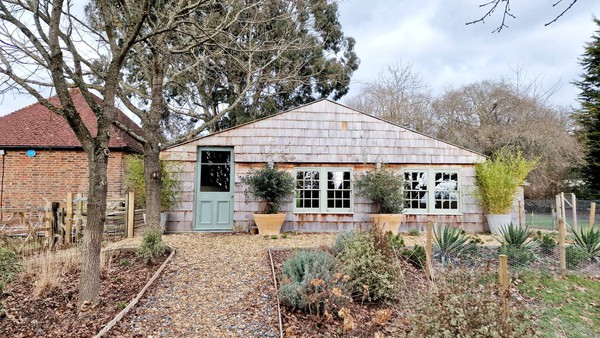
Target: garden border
x,y
276,292
131,304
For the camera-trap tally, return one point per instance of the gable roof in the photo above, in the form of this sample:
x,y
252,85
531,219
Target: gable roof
x,y
328,132
35,126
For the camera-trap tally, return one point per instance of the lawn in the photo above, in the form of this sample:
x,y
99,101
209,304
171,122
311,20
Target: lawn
x,y
568,307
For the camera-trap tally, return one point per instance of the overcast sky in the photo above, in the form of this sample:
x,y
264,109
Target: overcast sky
x,y
433,37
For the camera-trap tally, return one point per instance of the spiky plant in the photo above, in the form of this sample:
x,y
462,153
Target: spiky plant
x,y
450,242
515,235
588,239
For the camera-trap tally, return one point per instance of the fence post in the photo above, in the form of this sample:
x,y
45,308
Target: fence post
x,y
79,213
130,214
592,214
69,218
574,206
521,216
503,277
562,233
558,213
429,250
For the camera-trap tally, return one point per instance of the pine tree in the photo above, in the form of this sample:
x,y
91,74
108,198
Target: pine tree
x,y
588,117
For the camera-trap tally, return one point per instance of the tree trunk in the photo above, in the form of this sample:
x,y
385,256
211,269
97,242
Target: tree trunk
x,y
89,282
152,177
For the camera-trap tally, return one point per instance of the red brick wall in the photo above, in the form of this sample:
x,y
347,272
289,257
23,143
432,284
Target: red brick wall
x,y
51,174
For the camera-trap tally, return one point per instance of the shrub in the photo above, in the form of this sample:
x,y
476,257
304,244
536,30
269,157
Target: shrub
x,y
517,255
9,266
152,246
545,243
169,189
415,256
450,243
311,283
371,264
270,185
396,242
466,304
499,178
575,255
384,188
340,241
588,239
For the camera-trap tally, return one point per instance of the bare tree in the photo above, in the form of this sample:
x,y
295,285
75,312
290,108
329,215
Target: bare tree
x,y
504,6
488,115
398,95
44,46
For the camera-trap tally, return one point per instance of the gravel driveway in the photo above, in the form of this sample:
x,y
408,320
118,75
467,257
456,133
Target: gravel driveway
x,y
215,286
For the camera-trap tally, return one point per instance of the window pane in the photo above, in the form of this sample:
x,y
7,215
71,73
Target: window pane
x,y
215,157
214,177
307,189
446,191
415,189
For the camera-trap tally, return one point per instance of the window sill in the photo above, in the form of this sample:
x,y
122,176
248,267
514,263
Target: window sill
x,y
323,212
433,213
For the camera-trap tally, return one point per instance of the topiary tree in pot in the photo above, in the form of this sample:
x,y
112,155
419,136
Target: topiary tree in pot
x,y
273,186
384,188
498,180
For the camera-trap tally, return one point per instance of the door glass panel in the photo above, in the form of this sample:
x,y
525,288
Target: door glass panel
x,y
215,169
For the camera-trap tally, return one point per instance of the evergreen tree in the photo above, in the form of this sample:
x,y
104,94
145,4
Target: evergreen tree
x,y
588,116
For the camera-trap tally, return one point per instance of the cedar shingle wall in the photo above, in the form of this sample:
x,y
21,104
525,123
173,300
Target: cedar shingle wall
x,y
51,174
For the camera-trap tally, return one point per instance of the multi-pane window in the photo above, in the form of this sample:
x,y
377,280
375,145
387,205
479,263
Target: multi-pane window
x,y
323,190
432,191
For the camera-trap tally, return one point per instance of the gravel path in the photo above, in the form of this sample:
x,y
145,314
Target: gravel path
x,y
216,286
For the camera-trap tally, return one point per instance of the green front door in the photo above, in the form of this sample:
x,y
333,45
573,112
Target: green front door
x,y
214,190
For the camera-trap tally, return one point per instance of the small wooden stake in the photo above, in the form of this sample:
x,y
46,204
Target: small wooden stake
x,y
429,250
69,218
562,234
503,277
130,214
592,214
558,213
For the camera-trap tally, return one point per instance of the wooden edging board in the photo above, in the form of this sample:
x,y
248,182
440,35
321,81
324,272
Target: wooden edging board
x,y
276,292
131,304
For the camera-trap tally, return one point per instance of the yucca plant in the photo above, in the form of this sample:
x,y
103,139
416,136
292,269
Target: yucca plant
x,y
588,239
451,242
516,243
515,235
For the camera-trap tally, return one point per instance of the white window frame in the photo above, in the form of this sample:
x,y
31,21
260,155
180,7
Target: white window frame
x,y
323,209
431,210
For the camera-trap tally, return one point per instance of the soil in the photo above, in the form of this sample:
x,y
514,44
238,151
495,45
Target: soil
x,y
55,313
369,320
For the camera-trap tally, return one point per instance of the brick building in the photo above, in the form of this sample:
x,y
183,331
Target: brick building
x,y
40,156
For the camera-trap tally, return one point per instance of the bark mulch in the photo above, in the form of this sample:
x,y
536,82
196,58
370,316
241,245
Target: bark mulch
x,y
360,319
215,286
54,314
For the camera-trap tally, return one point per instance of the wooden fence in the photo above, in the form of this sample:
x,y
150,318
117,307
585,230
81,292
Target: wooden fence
x,y
24,229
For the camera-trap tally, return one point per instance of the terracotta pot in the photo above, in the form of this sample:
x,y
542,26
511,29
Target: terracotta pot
x,y
498,221
388,222
269,224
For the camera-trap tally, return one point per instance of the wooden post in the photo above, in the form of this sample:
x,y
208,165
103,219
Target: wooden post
x,y
130,214
562,234
69,218
429,250
503,278
562,207
79,213
574,206
592,214
558,213
521,213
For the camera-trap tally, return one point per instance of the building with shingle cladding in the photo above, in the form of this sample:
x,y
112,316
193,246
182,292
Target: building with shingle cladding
x,y
41,158
325,145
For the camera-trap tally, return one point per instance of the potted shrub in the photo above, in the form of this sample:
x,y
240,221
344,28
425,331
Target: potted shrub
x,y
498,180
273,186
384,188
169,193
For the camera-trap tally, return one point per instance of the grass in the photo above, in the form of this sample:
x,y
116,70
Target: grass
x,y
568,307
